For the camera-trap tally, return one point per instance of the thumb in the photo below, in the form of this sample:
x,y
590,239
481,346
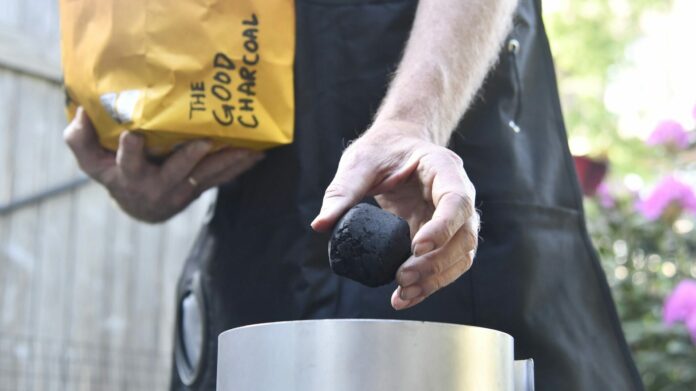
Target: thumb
x,y
354,178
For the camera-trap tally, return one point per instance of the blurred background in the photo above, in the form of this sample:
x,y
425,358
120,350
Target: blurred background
x,y
627,77
87,294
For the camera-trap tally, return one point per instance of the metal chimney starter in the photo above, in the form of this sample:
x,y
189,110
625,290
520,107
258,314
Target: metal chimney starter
x,y
369,355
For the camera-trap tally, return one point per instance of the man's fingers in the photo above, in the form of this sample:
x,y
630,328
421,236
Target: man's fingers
x,y
421,276
403,298
451,213
354,177
447,186
444,246
448,276
400,304
435,263
80,136
210,171
224,166
178,166
220,162
130,156
186,191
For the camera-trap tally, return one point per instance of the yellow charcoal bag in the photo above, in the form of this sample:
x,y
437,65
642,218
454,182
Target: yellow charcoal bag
x,y
180,70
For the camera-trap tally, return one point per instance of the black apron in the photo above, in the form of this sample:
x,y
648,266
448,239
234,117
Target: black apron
x,y
536,275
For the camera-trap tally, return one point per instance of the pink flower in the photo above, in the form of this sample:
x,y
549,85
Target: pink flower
x,y
604,196
680,306
669,133
669,197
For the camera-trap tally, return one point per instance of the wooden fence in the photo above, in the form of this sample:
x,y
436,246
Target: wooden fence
x,y
86,294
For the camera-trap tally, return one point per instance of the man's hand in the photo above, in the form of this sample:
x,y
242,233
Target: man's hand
x,y
400,159
147,191
421,182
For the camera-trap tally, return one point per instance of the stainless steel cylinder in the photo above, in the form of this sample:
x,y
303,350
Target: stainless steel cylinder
x,y
365,355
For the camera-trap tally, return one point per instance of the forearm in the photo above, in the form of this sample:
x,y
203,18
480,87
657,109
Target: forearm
x,y
453,44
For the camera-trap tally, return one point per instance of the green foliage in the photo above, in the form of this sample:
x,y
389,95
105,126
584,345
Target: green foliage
x,y
589,39
644,261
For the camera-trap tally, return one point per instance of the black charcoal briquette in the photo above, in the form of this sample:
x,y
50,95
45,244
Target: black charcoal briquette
x,y
369,244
